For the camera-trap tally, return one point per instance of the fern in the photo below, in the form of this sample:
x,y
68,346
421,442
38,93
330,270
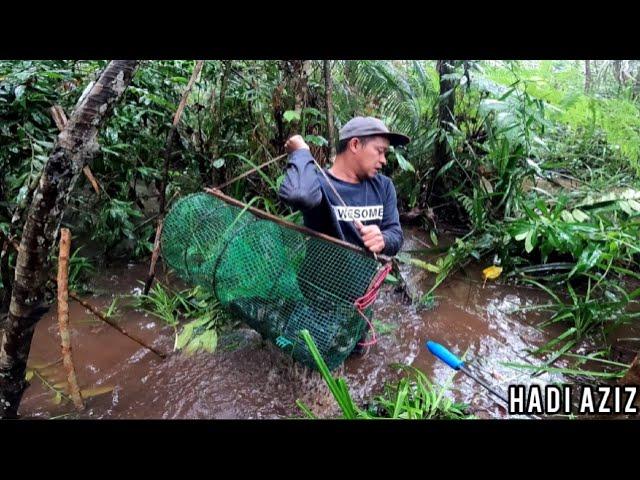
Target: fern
x,y
467,203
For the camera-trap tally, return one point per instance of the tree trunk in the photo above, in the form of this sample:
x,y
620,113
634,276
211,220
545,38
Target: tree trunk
x,y
636,85
299,75
278,117
2,199
14,230
328,88
296,74
445,116
75,145
617,72
5,278
587,76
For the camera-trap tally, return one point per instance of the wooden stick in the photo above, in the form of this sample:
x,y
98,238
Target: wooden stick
x,y
632,376
59,116
110,322
165,171
154,257
185,94
307,231
94,183
168,150
249,172
60,120
99,314
63,318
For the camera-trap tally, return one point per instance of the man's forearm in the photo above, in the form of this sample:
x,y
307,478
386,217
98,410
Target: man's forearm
x,y
391,228
393,240
301,187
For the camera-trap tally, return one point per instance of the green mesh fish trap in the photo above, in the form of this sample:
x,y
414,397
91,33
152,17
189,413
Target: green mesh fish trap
x,y
276,279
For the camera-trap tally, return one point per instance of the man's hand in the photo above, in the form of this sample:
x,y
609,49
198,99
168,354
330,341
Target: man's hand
x,y
372,237
295,143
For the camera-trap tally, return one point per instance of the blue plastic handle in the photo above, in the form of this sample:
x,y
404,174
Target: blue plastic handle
x,y
445,355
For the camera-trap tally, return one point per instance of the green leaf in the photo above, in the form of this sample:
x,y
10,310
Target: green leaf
x,y
635,205
183,337
19,91
444,168
316,140
529,241
193,345
337,387
434,237
579,215
540,142
312,111
305,409
432,268
487,185
491,104
291,115
391,279
522,235
565,371
109,150
404,164
626,207
420,263
93,392
446,94
158,100
567,217
506,94
260,172
209,340
588,259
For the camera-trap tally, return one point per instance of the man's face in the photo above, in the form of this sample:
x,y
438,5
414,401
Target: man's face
x,y
371,156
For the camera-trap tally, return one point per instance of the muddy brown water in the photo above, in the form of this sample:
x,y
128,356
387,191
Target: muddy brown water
x,y
249,378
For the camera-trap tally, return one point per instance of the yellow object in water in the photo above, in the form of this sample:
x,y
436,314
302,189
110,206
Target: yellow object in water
x,y
491,273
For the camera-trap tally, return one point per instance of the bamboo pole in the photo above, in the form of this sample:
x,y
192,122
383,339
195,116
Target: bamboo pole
x,y
63,318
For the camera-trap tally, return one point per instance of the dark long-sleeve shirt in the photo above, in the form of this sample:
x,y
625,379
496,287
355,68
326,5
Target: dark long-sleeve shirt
x,y
372,202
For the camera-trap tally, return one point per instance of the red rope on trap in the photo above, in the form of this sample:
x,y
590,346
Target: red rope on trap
x,y
369,297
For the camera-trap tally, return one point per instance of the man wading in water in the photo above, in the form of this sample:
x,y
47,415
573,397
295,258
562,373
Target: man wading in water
x,y
370,218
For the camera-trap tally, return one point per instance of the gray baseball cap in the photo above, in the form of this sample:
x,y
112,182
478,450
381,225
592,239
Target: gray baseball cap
x,y
365,126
